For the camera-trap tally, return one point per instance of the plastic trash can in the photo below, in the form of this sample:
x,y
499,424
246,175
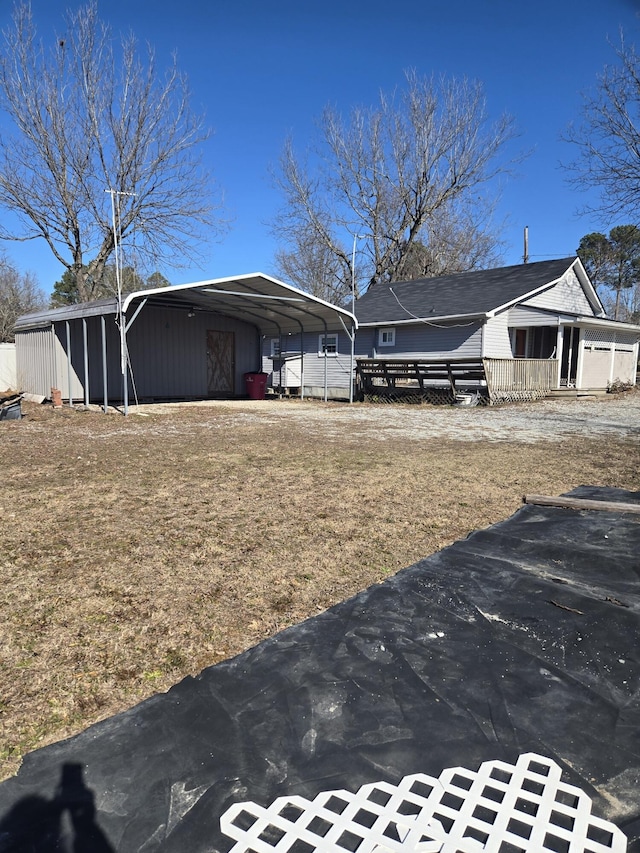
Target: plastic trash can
x,y
256,385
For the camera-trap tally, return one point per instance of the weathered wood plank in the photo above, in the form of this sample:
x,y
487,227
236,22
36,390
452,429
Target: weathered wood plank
x,y
581,503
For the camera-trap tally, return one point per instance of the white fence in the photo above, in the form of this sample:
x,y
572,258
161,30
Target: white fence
x,y
8,370
513,379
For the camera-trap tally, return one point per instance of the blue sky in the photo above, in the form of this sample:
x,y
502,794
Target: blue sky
x,y
264,70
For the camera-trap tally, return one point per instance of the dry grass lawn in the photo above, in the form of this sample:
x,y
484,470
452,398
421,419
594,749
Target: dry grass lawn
x,y
136,551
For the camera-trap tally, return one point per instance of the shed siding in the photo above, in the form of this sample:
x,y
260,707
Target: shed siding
x,y
168,351
424,341
77,359
567,297
496,337
35,361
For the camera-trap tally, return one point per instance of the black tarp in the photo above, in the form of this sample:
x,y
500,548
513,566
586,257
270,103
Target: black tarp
x,y
524,637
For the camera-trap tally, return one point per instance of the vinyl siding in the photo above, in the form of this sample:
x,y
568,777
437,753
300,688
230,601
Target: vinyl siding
x,y
566,297
423,341
338,365
522,316
496,343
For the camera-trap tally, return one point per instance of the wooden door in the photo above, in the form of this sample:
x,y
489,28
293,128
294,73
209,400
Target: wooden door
x,y
520,343
221,363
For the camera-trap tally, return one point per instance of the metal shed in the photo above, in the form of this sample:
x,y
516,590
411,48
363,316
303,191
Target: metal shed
x,y
183,341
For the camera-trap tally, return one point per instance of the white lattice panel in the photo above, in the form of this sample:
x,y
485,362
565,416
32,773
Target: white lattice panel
x,y
501,808
594,336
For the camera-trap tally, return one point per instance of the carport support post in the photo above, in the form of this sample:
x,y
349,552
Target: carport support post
x,y
123,361
325,363
69,362
86,363
353,342
301,363
125,390
104,364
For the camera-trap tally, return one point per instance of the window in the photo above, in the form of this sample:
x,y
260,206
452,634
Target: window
x,y
275,347
328,345
387,338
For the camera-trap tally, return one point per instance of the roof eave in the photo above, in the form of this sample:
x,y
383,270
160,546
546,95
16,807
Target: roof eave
x,y
602,322
426,321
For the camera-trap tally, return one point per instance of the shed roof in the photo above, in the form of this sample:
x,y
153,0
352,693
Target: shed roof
x,y
468,294
269,304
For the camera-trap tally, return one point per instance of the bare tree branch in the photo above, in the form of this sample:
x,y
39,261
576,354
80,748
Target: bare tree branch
x,y
407,173
19,294
607,138
90,115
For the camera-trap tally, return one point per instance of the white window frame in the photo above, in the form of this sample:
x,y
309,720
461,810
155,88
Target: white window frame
x,y
275,348
331,341
390,334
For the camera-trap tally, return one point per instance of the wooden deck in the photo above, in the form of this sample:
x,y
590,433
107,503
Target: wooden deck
x,y
441,380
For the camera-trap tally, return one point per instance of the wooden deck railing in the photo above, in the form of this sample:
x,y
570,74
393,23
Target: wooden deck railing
x,y
520,378
498,379
390,380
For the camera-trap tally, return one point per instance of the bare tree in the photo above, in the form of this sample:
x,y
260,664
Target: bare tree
x,y
19,294
410,171
312,267
91,116
607,138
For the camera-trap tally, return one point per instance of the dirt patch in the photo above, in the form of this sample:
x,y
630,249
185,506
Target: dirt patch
x,y
139,550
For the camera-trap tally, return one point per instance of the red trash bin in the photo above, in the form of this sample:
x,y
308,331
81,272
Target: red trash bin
x,y
256,385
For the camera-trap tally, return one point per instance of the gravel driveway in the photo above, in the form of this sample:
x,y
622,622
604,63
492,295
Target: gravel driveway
x,y
546,420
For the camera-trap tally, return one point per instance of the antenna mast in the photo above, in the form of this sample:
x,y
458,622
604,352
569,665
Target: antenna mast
x,y
117,239
525,257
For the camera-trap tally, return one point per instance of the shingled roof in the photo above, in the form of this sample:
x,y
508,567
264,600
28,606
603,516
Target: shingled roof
x,y
462,294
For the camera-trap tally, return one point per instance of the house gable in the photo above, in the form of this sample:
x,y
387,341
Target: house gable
x,y
567,296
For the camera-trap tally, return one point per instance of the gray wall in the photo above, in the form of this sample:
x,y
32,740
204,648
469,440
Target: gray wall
x,y
423,341
338,366
167,349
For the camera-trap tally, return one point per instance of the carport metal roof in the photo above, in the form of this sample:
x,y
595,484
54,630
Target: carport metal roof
x,y
269,304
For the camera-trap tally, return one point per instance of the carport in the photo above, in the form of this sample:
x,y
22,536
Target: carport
x,y
78,349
